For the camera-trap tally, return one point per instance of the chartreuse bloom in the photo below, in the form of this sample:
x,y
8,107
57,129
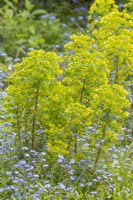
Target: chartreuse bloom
x,y
114,40
99,9
109,107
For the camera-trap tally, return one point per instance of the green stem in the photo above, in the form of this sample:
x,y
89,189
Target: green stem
x,y
18,127
82,91
34,118
117,70
100,147
75,145
81,98
99,151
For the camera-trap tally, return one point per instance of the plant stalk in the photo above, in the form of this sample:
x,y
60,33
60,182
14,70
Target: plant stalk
x,y
34,118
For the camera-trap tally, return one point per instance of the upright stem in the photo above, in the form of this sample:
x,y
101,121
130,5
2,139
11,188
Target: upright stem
x,y
99,151
34,118
100,147
75,145
18,127
81,98
116,76
82,91
117,70
131,114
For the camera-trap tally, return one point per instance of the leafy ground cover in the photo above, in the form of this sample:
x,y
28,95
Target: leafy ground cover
x,y
66,112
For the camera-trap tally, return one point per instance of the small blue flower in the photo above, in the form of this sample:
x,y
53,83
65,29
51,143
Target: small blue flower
x,y
94,16
121,6
61,186
82,29
70,189
25,148
83,9
61,55
23,47
119,178
22,162
41,131
80,17
57,46
46,147
17,59
8,173
27,155
72,161
16,172
43,159
44,16
7,124
64,25
47,186
74,134
35,175
30,49
45,165
30,174
1,85
53,17
3,54
94,192
66,41
112,186
71,171
1,189
30,168
90,184
73,19
43,153
67,34
73,178
74,1
76,9
93,45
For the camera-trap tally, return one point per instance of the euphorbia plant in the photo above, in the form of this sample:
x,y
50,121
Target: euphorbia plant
x,y
88,74
31,83
114,39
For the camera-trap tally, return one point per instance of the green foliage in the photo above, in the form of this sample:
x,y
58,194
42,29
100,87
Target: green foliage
x,y
129,6
26,28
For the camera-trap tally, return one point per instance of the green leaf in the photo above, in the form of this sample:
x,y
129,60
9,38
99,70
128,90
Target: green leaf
x,y
33,40
28,5
47,197
10,4
32,29
38,12
25,14
9,14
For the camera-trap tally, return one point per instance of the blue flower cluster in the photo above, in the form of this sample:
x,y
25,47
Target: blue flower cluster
x,y
29,174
